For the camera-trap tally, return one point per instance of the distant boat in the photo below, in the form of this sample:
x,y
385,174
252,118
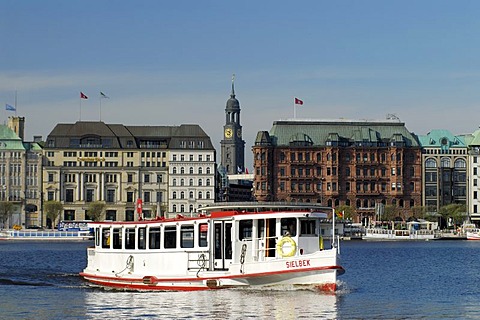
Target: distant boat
x,y
45,235
415,230
227,245
473,234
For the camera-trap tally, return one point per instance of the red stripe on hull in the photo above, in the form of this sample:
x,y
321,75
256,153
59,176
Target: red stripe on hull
x,y
138,283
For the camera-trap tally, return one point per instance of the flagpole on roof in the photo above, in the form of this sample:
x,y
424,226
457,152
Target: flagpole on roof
x,y
80,117
100,100
15,103
294,109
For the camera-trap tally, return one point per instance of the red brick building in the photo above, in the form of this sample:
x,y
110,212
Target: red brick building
x,y
355,163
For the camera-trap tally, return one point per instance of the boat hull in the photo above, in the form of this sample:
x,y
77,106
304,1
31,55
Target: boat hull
x,y
473,236
315,271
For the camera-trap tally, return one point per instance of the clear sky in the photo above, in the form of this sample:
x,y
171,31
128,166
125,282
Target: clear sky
x,y
171,62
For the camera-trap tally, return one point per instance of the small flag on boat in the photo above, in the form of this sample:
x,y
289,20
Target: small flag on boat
x,y
83,96
103,95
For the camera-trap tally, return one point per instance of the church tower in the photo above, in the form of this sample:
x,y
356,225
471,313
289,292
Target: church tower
x,y
232,145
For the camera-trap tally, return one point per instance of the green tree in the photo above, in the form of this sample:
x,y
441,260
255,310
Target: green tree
x,y
96,210
454,211
6,211
419,211
348,211
53,209
390,213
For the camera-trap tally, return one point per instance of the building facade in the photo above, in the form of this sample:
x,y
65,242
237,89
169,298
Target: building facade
x,y
116,164
473,176
355,163
20,174
444,163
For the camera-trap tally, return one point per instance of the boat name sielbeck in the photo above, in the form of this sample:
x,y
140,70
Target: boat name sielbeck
x,y
298,263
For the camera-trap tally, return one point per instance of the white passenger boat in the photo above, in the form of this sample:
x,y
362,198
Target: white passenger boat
x,y
415,230
227,245
473,234
53,235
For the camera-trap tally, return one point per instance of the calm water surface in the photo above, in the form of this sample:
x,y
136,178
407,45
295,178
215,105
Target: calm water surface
x,y
383,280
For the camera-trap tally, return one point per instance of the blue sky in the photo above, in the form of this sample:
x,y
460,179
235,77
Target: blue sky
x,y
170,62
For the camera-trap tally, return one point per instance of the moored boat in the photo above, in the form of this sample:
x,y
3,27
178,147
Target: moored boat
x,y
227,245
45,235
415,230
473,234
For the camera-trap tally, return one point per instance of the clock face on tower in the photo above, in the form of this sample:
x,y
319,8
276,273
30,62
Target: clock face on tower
x,y
228,133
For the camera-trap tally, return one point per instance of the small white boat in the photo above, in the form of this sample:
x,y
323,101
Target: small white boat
x,y
228,245
473,234
415,230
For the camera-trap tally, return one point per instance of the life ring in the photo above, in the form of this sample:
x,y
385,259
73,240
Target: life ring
x,y
282,242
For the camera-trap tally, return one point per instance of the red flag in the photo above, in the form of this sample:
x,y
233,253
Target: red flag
x,y
298,101
83,96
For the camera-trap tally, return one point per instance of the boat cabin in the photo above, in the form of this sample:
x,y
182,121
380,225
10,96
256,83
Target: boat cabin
x,y
215,239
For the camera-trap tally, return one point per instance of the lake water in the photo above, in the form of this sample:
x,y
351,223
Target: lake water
x,y
383,280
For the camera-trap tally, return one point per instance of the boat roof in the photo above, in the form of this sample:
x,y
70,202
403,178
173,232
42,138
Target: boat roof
x,y
230,209
263,206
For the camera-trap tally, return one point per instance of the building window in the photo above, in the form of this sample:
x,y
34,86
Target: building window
x,y
69,195
90,195
110,195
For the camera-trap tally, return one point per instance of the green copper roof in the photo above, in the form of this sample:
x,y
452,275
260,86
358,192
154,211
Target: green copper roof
x,y
345,132
9,139
474,138
440,138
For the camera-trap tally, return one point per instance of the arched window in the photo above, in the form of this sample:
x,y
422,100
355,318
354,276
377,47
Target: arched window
x,y
200,195
174,170
208,182
200,182
191,195
191,170
182,182
182,170
174,182
174,208
182,195
174,195
182,208
430,163
208,170
460,163
445,162
207,195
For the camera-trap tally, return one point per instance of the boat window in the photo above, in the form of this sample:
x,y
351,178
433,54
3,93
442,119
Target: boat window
x,y
245,229
261,229
170,237
97,236
186,236
308,227
105,237
130,238
289,225
117,238
142,239
202,235
154,238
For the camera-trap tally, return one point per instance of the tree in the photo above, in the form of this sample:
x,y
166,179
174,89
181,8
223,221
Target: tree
x,y
347,210
6,211
53,209
390,213
96,210
454,212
